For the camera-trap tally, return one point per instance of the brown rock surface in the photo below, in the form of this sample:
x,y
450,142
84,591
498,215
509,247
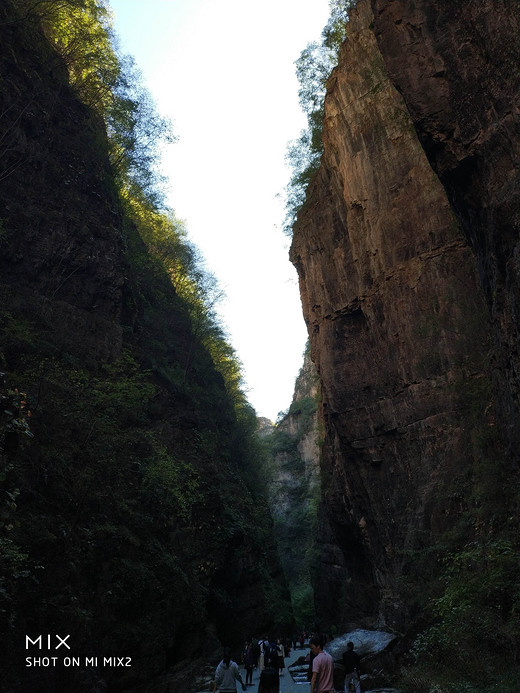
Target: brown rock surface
x,y
457,68
398,327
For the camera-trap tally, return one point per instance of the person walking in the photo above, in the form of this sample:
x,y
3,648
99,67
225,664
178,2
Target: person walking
x,y
227,674
249,663
269,678
322,680
281,655
351,664
262,643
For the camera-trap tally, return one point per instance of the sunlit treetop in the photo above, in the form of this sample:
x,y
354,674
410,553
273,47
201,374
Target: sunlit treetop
x,y
313,69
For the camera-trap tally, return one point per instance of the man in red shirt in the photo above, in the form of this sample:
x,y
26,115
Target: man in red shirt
x,y
322,680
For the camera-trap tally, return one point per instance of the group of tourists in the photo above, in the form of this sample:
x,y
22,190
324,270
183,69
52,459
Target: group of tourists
x,y
322,668
264,652
269,657
299,639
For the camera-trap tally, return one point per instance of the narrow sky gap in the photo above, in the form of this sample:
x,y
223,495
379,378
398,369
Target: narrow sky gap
x,y
224,73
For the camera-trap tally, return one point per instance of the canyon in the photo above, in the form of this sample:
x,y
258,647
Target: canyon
x,y
138,511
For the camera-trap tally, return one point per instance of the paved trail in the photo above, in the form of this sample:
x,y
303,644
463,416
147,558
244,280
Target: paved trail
x,y
287,684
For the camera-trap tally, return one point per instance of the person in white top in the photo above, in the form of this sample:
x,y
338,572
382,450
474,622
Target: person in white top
x,y
227,674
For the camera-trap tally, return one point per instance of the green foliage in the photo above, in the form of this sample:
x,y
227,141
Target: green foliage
x,y
14,417
174,482
302,596
81,31
474,640
305,408
14,430
134,509
15,567
168,244
313,69
478,614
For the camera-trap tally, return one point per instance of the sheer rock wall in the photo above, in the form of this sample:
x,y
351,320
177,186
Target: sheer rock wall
x,y
457,68
406,241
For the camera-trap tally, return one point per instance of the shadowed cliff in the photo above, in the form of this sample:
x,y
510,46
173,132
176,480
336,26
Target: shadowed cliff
x,y
294,490
133,519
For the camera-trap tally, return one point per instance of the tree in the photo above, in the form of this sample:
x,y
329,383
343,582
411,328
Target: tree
x,y
313,69
82,33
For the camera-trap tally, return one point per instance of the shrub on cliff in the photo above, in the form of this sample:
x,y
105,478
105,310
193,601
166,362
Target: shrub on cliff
x,y
473,640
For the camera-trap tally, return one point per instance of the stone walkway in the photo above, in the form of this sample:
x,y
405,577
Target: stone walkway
x,y
287,683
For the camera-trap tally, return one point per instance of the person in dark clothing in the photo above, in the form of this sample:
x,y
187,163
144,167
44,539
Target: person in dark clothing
x,y
249,663
270,677
281,656
255,646
351,665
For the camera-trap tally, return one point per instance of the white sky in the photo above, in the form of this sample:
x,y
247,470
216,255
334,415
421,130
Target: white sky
x,y
223,72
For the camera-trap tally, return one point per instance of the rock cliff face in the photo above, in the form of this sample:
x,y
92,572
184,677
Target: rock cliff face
x,y
456,66
53,146
407,259
294,488
128,520
294,480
